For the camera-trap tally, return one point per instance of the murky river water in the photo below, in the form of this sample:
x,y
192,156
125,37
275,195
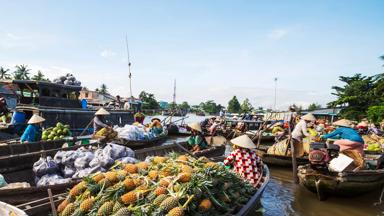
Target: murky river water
x,y
283,197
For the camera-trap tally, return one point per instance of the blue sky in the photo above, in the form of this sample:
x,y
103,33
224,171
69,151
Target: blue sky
x,y
215,49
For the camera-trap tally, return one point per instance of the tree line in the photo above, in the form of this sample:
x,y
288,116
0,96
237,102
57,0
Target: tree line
x,y
21,72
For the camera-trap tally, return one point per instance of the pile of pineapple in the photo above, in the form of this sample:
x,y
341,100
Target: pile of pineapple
x,y
173,185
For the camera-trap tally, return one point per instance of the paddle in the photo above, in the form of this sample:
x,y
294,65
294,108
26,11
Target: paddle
x,y
185,150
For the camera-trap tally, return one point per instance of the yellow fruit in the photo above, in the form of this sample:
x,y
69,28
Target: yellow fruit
x,y
142,165
118,205
98,177
129,184
131,168
169,203
62,206
167,171
159,160
185,177
153,174
121,174
129,198
77,189
105,209
177,211
186,168
69,210
105,182
86,205
160,190
205,205
182,158
211,165
111,176
164,182
159,199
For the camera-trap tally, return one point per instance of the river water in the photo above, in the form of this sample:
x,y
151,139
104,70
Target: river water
x,y
283,197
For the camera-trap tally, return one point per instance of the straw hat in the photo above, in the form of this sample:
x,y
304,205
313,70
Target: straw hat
x,y
102,111
343,123
35,119
309,117
362,124
243,141
195,126
155,119
279,123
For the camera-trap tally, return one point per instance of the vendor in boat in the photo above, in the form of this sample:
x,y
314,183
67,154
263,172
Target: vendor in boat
x,y
139,118
349,139
244,159
156,127
197,140
33,131
98,120
5,114
301,129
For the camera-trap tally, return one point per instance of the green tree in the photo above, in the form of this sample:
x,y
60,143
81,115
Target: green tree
x,y
184,106
375,114
313,106
246,106
149,100
103,89
39,76
234,105
210,107
4,73
22,72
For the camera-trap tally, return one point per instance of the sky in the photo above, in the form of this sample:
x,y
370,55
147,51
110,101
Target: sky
x,y
214,49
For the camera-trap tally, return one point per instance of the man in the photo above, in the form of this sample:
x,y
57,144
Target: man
x,y
4,111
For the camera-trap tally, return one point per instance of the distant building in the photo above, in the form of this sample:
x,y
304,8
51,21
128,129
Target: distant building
x,y
95,98
8,91
330,114
163,105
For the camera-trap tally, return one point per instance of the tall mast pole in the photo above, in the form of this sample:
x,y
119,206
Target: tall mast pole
x,y
174,92
129,67
275,93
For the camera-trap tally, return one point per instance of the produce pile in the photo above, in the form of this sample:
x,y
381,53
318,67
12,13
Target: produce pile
x,y
373,142
68,79
75,164
55,133
173,185
108,133
133,132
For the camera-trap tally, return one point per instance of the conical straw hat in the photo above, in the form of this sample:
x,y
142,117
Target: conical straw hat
x,y
343,123
102,111
195,126
362,124
35,119
243,141
309,117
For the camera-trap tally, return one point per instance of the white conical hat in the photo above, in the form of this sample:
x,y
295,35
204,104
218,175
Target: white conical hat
x,y
309,117
343,123
35,119
195,126
243,141
102,111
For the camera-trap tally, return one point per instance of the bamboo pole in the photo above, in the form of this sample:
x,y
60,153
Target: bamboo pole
x,y
293,153
53,207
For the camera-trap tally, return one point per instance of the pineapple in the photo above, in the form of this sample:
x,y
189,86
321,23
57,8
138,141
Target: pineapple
x,y
153,174
177,211
160,190
78,189
184,177
122,212
69,210
159,160
186,168
98,177
142,165
129,198
211,165
182,158
129,184
169,203
164,182
159,199
117,206
205,205
131,168
111,176
105,182
105,209
121,174
86,205
62,205
167,171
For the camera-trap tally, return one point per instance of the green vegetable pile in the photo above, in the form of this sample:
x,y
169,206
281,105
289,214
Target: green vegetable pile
x,y
55,133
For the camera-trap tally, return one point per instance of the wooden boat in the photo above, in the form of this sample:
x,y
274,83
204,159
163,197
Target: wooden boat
x,y
137,144
174,130
279,160
340,184
18,156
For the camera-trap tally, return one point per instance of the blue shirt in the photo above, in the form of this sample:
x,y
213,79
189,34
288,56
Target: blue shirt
x,y
345,133
30,133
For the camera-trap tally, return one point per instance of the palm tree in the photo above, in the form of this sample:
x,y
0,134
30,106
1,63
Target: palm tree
x,y
4,73
39,76
22,72
103,89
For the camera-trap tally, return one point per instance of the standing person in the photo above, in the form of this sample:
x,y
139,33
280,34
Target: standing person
x,y
349,139
244,159
118,102
98,120
291,118
197,140
300,131
4,111
33,132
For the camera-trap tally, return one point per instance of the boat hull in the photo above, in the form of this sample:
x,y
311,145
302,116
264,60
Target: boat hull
x,y
281,161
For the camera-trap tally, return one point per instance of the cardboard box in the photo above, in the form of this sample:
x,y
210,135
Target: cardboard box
x,y
341,163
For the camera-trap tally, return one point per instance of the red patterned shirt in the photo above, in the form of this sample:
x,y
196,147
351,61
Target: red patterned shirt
x,y
246,163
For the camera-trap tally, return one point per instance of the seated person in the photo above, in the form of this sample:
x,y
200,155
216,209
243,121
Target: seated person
x,y
33,132
156,127
197,140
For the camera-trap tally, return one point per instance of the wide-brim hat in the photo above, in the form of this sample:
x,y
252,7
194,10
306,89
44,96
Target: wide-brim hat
x,y
195,126
343,123
279,123
35,119
102,111
308,117
243,141
155,119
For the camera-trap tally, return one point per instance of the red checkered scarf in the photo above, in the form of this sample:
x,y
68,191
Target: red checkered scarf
x,y
246,163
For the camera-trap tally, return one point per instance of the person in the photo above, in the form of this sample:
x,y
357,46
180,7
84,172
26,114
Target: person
x,y
349,139
139,118
156,127
301,129
244,159
374,130
4,111
291,117
33,131
98,120
277,130
197,140
118,102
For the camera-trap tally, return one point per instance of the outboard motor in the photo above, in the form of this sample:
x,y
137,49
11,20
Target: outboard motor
x,y
321,153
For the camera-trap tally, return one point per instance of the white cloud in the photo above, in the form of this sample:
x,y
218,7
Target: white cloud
x,y
107,53
277,34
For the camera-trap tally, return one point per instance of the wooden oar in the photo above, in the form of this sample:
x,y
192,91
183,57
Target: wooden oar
x,y
185,150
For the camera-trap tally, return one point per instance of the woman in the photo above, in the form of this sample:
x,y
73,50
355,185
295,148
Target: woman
x,y
349,139
300,131
197,141
32,132
139,118
156,126
244,159
98,120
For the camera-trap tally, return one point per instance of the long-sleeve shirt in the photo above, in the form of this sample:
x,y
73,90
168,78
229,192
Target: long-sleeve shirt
x,y
98,124
300,130
345,133
197,140
30,134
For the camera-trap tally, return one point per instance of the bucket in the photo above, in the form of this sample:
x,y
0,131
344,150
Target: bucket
x,y
18,118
